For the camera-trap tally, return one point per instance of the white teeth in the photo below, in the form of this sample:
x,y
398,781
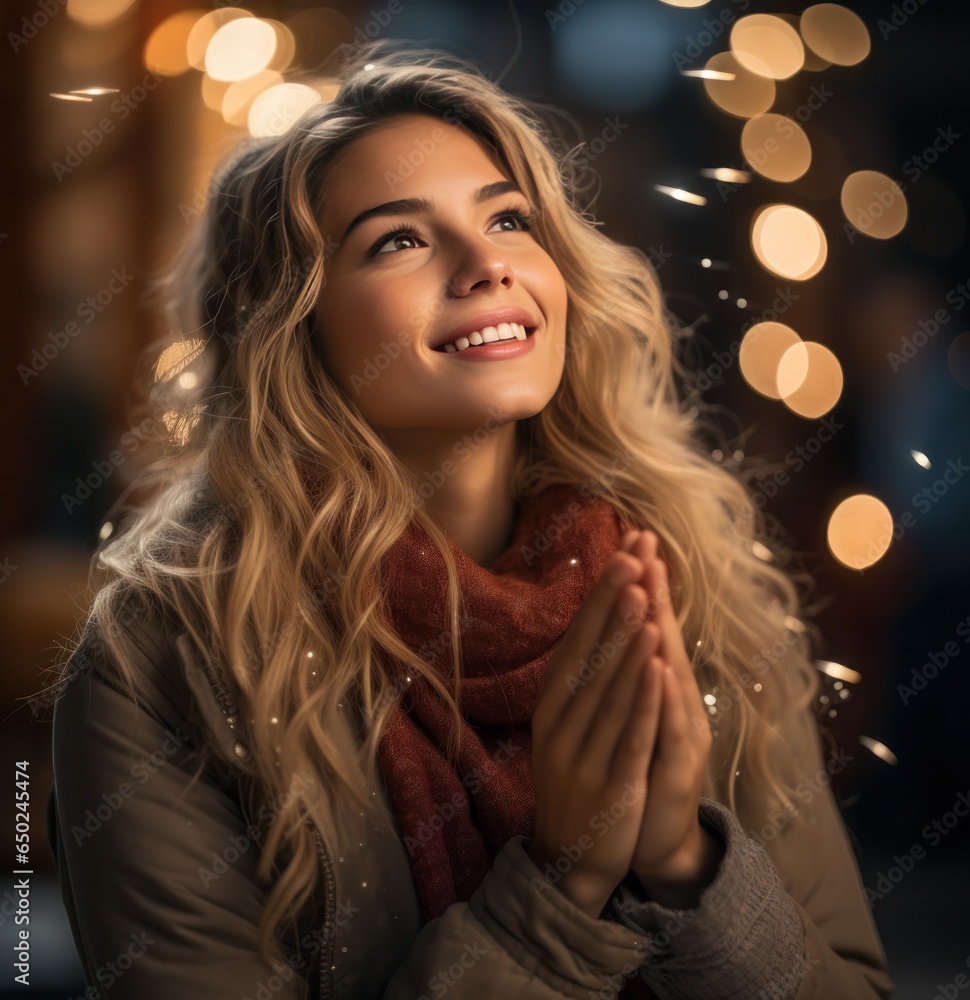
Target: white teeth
x,y
504,331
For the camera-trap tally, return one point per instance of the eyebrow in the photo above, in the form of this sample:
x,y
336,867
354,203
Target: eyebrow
x,y
404,206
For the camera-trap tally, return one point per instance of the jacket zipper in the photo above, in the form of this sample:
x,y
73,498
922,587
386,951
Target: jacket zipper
x,y
327,989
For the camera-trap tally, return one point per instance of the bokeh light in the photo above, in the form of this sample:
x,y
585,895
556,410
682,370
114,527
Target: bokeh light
x,y
789,242
860,531
166,51
240,95
285,50
747,95
767,45
776,147
239,49
680,194
686,3
809,379
214,92
762,348
835,33
177,357
874,204
838,671
276,109
729,175
920,459
97,13
205,28
879,749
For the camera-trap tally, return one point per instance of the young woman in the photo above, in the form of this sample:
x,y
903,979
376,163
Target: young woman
x,y
403,681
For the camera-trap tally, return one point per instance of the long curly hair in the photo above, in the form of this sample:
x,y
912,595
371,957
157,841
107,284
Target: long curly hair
x,y
262,568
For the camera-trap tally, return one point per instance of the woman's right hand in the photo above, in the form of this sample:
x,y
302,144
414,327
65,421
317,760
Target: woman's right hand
x,y
593,734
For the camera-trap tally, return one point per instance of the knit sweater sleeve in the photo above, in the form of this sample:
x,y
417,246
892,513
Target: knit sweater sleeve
x,y
784,919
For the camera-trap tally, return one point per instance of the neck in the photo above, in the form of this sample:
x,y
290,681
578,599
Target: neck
x,y
466,486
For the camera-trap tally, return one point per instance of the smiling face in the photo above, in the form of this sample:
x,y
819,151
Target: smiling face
x,y
407,277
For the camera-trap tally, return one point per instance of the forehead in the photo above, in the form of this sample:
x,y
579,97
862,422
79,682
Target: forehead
x,y
410,154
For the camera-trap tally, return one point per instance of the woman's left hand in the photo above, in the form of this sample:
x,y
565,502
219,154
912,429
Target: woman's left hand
x,y
676,856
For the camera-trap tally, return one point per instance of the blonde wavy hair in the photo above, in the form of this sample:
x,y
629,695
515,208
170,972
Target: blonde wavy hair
x,y
260,568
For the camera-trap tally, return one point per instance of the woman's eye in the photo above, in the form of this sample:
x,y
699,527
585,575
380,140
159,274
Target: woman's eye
x,y
523,223
390,239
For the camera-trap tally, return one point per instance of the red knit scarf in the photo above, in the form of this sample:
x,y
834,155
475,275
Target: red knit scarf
x,y
454,822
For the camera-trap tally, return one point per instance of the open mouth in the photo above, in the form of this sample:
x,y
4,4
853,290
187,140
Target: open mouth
x,y
453,348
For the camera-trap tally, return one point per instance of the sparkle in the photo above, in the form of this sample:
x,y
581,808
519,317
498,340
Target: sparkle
x,y
708,74
679,194
727,174
837,670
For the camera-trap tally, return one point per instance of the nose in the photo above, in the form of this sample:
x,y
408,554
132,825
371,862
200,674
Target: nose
x,y
480,264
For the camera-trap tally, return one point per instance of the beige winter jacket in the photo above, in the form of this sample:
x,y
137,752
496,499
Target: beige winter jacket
x,y
158,877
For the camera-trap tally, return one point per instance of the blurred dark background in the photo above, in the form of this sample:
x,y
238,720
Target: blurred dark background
x,y
98,188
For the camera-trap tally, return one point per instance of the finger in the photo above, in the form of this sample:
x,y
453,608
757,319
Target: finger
x,y
617,702
601,663
661,604
586,627
628,540
674,751
638,741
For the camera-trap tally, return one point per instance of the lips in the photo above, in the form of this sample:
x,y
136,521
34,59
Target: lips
x,y
479,323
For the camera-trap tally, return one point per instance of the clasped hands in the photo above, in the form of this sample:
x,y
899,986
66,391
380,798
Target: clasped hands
x,y
629,743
